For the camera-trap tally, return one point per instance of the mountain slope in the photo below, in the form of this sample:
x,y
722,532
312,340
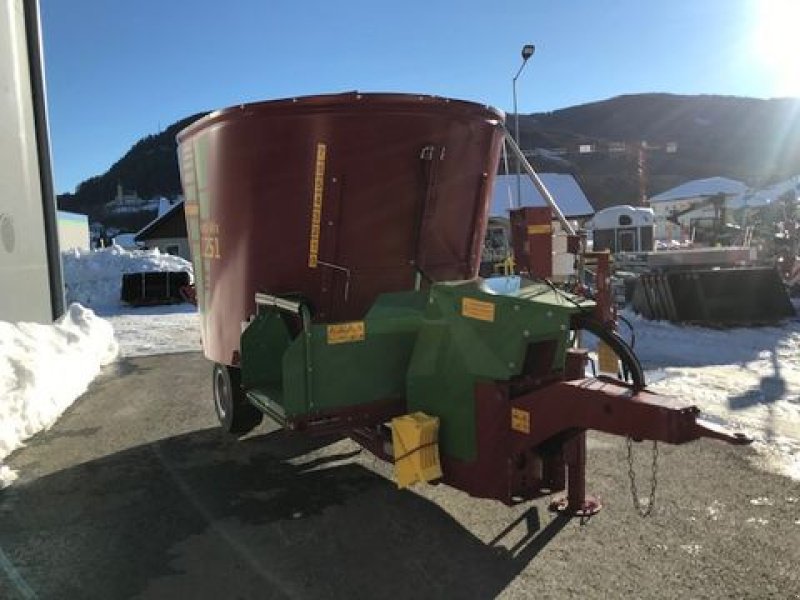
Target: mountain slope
x,y
150,168
756,141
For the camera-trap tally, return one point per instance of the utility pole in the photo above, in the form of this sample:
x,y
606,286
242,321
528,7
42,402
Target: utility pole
x,y
527,52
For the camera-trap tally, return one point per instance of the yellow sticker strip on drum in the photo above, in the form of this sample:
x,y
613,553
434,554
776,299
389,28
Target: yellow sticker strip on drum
x,y
539,229
520,420
477,309
316,206
343,333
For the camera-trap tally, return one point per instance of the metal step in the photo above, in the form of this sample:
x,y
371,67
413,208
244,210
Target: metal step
x,y
268,402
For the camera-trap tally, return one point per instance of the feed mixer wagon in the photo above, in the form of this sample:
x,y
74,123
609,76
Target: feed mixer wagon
x,y
336,243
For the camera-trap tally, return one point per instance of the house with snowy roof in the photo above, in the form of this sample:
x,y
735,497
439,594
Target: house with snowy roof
x,y
696,193
755,199
564,188
167,233
568,196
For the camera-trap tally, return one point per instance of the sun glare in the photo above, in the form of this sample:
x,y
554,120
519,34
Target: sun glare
x,y
777,43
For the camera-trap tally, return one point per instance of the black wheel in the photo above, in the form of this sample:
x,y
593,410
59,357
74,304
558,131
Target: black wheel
x,y
235,413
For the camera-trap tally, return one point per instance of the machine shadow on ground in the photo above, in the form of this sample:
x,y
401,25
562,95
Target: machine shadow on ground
x,y
200,515
770,389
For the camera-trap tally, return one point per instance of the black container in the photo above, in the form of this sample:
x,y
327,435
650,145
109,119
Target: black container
x,y
714,296
157,287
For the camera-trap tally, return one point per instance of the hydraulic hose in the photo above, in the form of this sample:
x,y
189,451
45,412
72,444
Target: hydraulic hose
x,y
617,344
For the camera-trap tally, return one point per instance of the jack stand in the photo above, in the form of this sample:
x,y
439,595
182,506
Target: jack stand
x,y
576,503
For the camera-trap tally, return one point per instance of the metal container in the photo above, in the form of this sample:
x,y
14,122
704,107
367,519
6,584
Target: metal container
x,y
726,296
335,199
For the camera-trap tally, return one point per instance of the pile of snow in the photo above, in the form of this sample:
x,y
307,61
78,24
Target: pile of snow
x,y
43,370
94,277
672,244
747,378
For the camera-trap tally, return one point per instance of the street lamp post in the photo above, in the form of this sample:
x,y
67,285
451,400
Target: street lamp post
x,y
527,52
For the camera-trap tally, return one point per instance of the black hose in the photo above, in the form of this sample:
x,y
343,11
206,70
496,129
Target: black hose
x,y
630,326
617,344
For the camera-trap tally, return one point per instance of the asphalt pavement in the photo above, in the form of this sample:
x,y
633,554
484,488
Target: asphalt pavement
x,y
135,493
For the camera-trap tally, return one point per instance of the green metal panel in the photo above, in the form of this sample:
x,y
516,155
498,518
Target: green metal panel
x,y
458,347
263,345
293,395
348,373
430,347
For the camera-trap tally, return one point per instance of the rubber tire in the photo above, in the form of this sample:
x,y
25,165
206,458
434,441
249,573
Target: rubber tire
x,y
236,415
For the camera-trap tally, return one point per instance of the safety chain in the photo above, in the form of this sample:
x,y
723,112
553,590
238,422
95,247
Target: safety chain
x,y
643,511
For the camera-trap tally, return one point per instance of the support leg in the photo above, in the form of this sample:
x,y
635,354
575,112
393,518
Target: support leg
x,y
576,503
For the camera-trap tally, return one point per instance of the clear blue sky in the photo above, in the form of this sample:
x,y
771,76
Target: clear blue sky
x,y
118,69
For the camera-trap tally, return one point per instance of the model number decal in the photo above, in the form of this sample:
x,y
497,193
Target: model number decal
x,y
342,333
209,246
477,309
316,206
209,239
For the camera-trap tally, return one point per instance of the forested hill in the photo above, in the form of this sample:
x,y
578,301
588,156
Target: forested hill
x,y
150,168
756,141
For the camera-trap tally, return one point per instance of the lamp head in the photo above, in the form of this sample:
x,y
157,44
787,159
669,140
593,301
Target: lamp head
x,y
527,51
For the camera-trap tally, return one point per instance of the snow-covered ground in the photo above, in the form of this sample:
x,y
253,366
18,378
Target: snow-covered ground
x,y
747,378
43,369
94,279
156,330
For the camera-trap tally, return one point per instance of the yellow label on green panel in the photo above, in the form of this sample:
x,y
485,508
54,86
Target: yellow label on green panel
x,y
343,333
477,309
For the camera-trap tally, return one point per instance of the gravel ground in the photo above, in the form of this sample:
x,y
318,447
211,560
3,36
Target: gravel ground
x,y
135,493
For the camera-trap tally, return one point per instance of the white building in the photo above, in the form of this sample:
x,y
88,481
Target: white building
x,y
692,193
755,199
564,188
167,232
73,231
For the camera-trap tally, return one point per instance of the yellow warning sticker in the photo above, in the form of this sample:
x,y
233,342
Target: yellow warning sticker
x,y
316,206
477,309
520,420
343,333
609,363
539,229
